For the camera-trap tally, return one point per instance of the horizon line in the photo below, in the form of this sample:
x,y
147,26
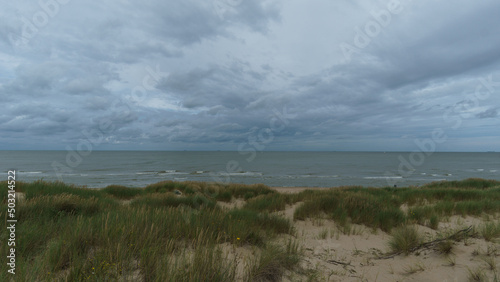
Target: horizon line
x,y
305,151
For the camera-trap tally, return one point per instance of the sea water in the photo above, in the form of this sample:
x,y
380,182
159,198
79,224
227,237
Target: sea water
x,y
284,169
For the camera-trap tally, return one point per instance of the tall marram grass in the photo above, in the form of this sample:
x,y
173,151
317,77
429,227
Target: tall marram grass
x,y
122,192
273,261
404,239
347,206
269,202
43,188
382,207
213,190
472,183
70,233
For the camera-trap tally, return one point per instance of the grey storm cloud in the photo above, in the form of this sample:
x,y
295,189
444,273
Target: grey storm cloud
x,y
489,113
211,75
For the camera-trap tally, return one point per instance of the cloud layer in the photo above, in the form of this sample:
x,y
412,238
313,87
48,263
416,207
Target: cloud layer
x,y
212,75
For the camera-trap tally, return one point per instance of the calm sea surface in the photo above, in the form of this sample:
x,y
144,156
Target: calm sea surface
x,y
291,169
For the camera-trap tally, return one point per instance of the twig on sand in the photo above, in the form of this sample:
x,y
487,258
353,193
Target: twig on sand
x,y
431,244
344,265
338,262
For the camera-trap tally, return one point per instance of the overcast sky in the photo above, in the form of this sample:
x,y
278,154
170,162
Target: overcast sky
x,y
243,74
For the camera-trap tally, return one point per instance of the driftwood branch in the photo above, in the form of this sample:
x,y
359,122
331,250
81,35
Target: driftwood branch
x,y
338,262
431,244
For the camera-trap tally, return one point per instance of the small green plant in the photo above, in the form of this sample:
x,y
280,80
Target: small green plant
x,y
476,275
412,269
490,231
323,234
491,262
434,222
404,239
452,261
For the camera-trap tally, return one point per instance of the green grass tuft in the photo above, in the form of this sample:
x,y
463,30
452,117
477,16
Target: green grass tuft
x,y
490,231
274,261
404,239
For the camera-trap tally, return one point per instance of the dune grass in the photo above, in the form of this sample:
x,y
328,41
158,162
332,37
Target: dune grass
x,y
490,231
175,230
44,188
381,208
353,206
122,192
404,239
273,261
269,202
74,233
473,183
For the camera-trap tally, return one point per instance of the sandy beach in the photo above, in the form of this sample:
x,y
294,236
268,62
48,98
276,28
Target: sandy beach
x,y
355,255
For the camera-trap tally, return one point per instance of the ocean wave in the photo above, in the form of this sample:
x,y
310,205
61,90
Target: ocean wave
x,y
382,177
146,172
31,172
245,173
161,172
171,172
314,176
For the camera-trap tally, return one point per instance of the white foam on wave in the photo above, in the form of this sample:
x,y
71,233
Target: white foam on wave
x,y
146,172
31,172
172,173
382,177
245,173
